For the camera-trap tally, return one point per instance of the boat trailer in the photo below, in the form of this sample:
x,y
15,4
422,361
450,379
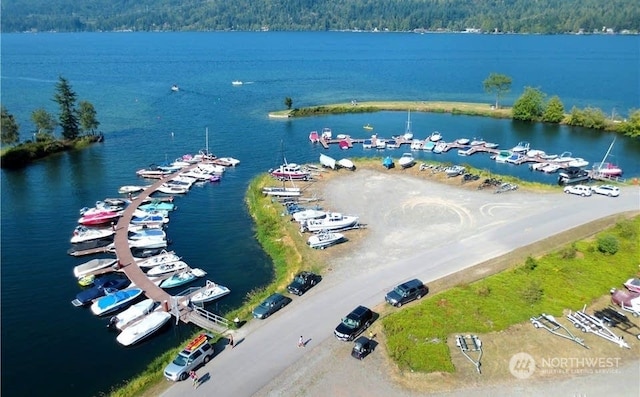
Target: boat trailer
x,y
548,322
614,318
589,323
470,343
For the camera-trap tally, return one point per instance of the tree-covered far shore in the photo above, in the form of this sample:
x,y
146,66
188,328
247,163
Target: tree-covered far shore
x,y
513,16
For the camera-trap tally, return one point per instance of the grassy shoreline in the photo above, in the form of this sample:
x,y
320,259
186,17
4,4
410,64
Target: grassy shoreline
x,y
466,108
279,238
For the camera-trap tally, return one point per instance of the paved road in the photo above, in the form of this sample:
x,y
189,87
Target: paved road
x,y
416,228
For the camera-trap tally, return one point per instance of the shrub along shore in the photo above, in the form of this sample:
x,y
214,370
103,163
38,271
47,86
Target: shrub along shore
x,y
569,277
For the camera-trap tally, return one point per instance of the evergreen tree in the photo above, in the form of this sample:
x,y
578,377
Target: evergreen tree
x,y
529,106
554,111
87,115
68,119
497,84
10,129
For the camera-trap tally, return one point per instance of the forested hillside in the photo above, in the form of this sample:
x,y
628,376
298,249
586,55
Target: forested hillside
x,y
518,16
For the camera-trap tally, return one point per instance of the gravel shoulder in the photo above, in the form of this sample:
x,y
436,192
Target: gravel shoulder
x,y
405,210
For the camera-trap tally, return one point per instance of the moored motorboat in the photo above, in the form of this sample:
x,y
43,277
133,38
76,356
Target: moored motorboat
x,y
115,301
578,162
333,221
211,291
314,137
121,320
367,144
502,156
82,233
607,169
182,278
143,327
521,147
477,142
149,220
416,144
163,258
491,145
229,161
325,239
92,266
167,268
130,189
101,287
344,144
157,205
428,145
406,160
326,133
463,141
435,136
99,218
439,147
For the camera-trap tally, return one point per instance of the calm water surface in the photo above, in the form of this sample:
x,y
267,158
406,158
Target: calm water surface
x,y
128,78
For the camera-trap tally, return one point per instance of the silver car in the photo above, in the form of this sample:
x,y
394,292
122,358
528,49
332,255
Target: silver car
x,y
198,351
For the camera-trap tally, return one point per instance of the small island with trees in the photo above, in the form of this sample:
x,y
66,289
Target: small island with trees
x,y
77,120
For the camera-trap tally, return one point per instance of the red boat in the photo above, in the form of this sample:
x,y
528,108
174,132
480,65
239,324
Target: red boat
x,y
99,218
290,171
314,137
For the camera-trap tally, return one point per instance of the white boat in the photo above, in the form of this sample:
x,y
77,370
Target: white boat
x,y
143,328
439,147
148,243
550,168
333,221
281,191
157,260
133,313
82,233
211,291
454,170
416,144
172,189
175,88
408,134
491,145
167,268
307,214
150,220
327,161
367,144
535,153
564,158
130,189
115,301
462,141
538,166
325,239
477,142
212,168
346,163
182,278
515,158
521,147
502,156
435,136
92,266
578,162
406,160
381,144
236,82
466,152
326,133
229,160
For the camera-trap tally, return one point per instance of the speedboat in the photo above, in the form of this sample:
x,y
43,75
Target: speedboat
x,y
439,147
515,158
416,144
428,145
326,133
491,145
182,278
325,239
133,313
99,218
130,189
147,232
167,268
607,169
115,301
346,163
175,88
82,233
101,287
157,205
314,137
167,188
462,141
92,266
333,221
229,161
435,136
211,291
143,328
406,160
521,147
290,171
149,220
502,156
477,142
343,144
368,127
236,82
148,243
578,162
161,259
107,205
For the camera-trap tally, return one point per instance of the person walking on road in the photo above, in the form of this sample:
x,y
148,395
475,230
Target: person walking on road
x,y
194,377
301,341
231,340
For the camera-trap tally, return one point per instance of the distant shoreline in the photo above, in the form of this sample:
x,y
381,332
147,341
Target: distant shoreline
x,y
466,108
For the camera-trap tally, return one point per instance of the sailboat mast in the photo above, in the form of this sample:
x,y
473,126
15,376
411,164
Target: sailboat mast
x,y
606,154
409,121
206,140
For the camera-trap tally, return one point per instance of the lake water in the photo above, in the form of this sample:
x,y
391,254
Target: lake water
x,y
127,76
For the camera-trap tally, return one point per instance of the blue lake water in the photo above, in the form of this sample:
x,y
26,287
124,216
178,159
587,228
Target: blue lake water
x,y
128,78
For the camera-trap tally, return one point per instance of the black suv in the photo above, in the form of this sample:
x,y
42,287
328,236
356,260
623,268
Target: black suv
x,y
355,322
406,292
303,282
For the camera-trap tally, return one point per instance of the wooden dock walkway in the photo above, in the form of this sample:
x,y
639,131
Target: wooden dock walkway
x,y
175,305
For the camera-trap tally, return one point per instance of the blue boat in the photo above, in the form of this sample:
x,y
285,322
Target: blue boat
x,y
157,205
115,301
101,287
388,162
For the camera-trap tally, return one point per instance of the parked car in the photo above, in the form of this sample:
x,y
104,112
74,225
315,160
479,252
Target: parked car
x,y
607,190
303,282
580,190
354,323
406,292
361,348
198,351
633,284
270,305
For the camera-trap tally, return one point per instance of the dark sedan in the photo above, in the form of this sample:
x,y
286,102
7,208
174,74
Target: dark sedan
x,y
303,282
270,305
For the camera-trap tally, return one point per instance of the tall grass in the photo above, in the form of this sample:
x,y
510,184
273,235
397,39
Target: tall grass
x,y
416,336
